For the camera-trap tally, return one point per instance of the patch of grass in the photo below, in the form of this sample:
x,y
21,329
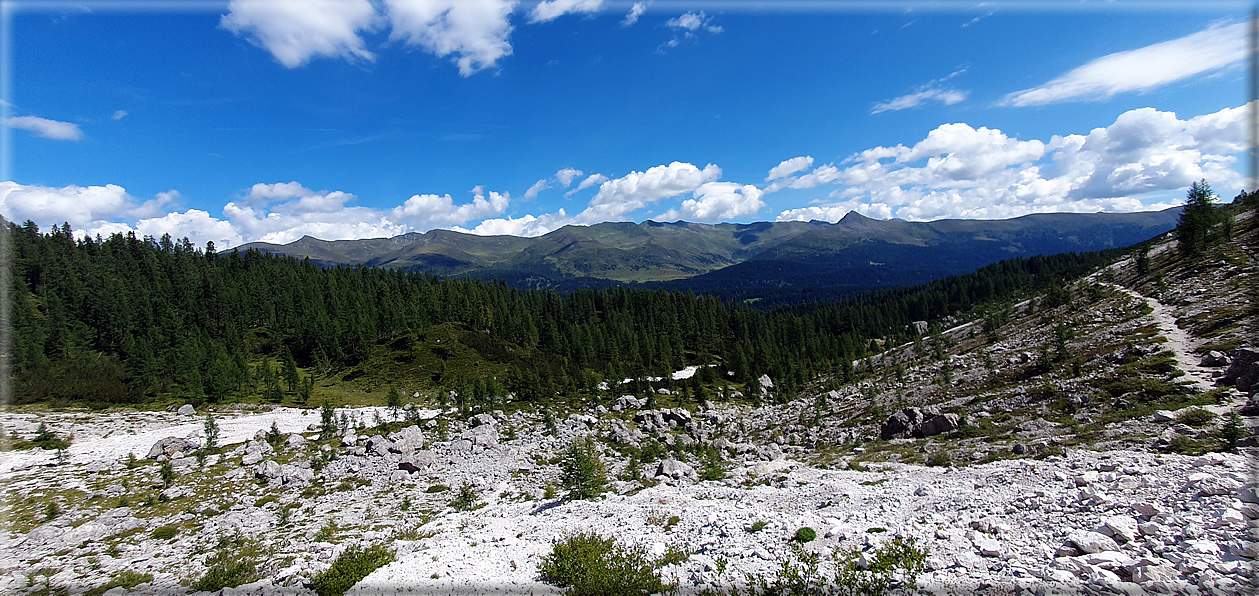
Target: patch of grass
x,y
437,488
1186,446
1195,417
165,532
123,579
940,459
895,566
587,564
234,562
349,568
758,525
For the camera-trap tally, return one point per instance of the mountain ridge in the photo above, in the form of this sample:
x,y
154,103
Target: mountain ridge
x,y
694,256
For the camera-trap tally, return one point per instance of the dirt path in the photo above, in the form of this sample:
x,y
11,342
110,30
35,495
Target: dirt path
x,y
1178,341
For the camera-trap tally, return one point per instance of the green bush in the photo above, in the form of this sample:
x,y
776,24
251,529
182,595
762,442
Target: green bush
x,y
234,562
122,579
581,471
758,525
465,499
940,459
590,565
1185,446
896,564
352,566
713,467
165,532
1195,417
804,535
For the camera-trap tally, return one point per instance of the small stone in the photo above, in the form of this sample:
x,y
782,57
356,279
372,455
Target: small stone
x,y
1092,542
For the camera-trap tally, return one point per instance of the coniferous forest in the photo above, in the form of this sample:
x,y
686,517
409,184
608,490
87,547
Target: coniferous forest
x,y
127,320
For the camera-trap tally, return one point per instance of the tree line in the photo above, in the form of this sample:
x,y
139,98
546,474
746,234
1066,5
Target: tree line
x,y
125,319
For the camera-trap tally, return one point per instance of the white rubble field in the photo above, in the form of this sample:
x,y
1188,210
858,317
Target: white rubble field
x,y
1121,521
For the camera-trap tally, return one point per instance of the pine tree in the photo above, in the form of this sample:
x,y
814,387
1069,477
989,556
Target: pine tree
x,y
1202,214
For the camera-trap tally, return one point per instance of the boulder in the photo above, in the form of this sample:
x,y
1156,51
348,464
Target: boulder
x,y
1243,370
674,469
419,461
187,410
940,424
1119,527
482,419
295,440
171,447
379,445
902,424
1092,542
485,436
1215,358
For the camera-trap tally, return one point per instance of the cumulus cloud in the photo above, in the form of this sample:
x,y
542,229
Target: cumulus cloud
x,y
80,206
474,32
434,211
1142,161
196,225
294,31
49,129
589,181
636,190
1142,69
717,201
549,10
566,176
790,166
635,11
527,225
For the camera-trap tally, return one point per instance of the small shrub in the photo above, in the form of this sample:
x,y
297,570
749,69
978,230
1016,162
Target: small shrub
x,y
1195,417
327,532
582,472
804,535
52,511
233,563
758,525
940,459
1184,445
353,565
122,579
167,473
590,565
132,462
437,488
465,499
165,532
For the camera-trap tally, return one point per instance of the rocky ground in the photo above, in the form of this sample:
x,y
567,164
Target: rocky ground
x,y
1072,446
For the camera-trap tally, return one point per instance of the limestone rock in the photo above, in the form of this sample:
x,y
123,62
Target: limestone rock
x,y
1092,542
171,447
187,410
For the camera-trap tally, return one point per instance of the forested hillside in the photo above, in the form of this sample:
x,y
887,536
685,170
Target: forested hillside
x,y
129,319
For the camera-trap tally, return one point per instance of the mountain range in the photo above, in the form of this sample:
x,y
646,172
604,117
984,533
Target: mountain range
x,y
745,260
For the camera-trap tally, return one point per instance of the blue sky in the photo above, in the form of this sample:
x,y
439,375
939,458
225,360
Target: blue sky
x,y
269,119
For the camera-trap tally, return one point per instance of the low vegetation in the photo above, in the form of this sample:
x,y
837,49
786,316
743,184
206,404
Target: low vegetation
x,y
354,564
587,564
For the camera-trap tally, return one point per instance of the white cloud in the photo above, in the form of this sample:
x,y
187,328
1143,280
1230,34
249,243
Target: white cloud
x,y
933,90
591,180
790,166
1142,161
158,204
196,225
549,10
689,21
433,211
947,97
475,32
718,201
49,129
533,191
119,115
294,31
634,13
80,206
1142,69
527,225
566,176
636,190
